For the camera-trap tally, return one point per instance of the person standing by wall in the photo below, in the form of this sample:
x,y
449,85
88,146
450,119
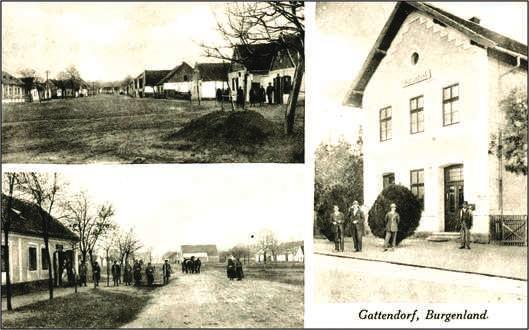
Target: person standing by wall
x,y
357,219
465,221
392,227
338,221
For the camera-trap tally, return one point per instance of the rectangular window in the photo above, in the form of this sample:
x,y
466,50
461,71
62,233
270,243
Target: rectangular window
x,y
43,261
451,105
417,114
4,266
417,184
32,258
385,124
388,179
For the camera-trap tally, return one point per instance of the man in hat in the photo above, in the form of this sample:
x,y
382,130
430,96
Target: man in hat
x,y
392,227
166,271
116,273
338,220
465,220
357,218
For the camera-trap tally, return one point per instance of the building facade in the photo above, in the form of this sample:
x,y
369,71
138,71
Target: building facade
x,y
206,252
207,78
26,245
177,82
13,90
430,92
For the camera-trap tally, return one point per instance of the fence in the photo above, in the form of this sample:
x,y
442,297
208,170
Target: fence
x,y
509,229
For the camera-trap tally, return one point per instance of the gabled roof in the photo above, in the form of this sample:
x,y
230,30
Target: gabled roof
x,y
475,32
256,57
212,71
152,77
8,79
26,220
211,249
177,69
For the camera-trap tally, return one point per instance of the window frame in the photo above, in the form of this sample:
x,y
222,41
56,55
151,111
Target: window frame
x,y
43,263
416,111
388,121
34,247
451,100
417,184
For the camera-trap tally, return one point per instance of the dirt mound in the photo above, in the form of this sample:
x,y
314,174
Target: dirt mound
x,y
240,127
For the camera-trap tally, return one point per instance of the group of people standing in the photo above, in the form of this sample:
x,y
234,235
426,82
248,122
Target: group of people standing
x,y
258,95
234,269
356,219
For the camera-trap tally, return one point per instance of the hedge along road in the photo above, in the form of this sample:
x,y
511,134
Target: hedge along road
x,y
209,299
340,280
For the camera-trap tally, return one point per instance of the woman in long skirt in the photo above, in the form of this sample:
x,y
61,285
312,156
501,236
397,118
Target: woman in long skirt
x,y
230,269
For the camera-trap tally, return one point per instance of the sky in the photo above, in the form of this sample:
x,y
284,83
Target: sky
x,y
169,205
345,32
106,40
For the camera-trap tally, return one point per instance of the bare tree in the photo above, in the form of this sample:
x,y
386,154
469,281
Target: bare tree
x,y
70,72
10,180
109,244
28,73
267,242
279,23
88,224
128,243
42,189
241,251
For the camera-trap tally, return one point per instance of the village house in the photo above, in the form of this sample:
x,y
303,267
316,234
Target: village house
x,y
250,67
13,90
27,264
177,83
286,252
145,83
206,252
429,91
208,78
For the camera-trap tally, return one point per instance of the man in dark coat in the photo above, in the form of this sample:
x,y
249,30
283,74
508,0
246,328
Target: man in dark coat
x,y
392,227
357,219
127,274
198,264
269,92
238,269
149,271
230,269
240,97
465,221
261,95
137,273
83,271
116,273
338,221
166,271
96,273
253,96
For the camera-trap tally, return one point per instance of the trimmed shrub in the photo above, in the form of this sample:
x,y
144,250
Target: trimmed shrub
x,y
408,207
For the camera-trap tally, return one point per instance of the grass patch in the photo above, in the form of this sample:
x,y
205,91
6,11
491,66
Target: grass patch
x,y
97,308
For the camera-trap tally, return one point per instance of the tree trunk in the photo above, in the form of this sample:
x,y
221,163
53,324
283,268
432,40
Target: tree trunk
x,y
108,270
48,259
6,228
245,91
290,111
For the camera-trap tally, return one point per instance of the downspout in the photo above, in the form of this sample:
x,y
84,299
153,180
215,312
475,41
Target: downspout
x,y
517,66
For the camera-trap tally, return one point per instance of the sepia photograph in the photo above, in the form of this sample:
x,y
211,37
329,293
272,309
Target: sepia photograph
x,y
138,82
421,156
114,247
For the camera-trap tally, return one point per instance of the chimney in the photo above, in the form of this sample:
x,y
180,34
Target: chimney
x,y
475,19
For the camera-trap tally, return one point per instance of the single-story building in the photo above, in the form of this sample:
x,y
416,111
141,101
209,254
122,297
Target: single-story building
x,y
206,252
27,262
177,83
208,78
145,83
13,89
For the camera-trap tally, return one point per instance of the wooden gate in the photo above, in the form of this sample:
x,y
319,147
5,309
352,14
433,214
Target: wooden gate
x,y
509,229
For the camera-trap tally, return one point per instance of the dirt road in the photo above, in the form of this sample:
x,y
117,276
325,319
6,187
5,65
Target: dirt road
x,y
210,300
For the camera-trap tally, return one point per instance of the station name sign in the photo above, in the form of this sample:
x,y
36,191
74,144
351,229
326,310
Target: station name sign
x,y
422,76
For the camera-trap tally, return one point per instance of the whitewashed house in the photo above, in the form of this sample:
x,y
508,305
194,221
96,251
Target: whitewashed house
x,y
26,244
286,252
177,82
207,78
429,91
206,252
13,90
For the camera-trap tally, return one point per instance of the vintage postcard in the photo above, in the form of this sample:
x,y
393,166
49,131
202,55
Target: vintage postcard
x,y
132,247
136,82
420,165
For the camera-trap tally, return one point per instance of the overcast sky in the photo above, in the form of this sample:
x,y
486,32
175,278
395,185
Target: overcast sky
x,y
106,41
194,204
344,34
